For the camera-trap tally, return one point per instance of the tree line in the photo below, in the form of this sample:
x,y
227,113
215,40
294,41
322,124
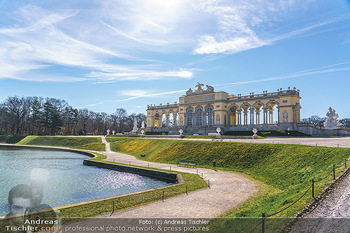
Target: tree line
x,y
50,116
316,120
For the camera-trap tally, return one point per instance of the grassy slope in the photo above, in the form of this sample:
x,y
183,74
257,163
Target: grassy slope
x,y
91,143
286,170
11,139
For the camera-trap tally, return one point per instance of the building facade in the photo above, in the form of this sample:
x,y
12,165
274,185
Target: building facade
x,y
201,111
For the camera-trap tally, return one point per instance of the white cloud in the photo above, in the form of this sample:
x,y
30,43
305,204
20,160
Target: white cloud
x,y
241,23
49,38
92,105
136,94
300,74
209,45
131,74
109,41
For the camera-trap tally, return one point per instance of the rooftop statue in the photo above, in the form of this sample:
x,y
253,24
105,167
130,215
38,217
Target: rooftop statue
x,y
210,88
189,92
200,90
199,87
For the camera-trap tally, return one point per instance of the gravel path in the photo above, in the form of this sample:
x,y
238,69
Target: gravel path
x,y
337,203
332,214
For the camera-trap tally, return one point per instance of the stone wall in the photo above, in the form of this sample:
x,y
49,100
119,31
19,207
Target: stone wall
x,y
317,132
165,176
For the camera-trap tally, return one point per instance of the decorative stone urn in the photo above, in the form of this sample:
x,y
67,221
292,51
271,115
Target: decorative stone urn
x,y
218,130
255,136
181,131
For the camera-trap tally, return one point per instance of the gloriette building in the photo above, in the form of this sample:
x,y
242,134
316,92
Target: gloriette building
x,y
202,110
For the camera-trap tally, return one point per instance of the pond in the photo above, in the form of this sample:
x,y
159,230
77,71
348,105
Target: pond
x,y
66,179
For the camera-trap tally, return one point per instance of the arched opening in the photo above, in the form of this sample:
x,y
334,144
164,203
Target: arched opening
x,y
164,120
199,117
272,113
258,114
209,116
246,115
189,116
217,119
233,115
156,120
171,120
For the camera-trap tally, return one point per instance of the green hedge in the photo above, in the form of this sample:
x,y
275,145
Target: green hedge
x,y
157,133
278,133
11,139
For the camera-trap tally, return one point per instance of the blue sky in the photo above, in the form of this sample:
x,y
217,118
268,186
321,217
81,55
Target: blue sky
x,y
109,54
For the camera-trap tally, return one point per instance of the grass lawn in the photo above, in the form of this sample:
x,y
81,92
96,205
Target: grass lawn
x,y
88,143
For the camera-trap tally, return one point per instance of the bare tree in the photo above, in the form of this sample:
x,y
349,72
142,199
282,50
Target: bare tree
x,y
316,120
39,116
17,109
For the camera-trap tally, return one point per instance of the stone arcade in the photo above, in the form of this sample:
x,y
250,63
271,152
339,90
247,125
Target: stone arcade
x,y
201,111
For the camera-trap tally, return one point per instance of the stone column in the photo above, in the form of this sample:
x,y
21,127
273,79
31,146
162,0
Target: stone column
x,y
245,115
257,113
270,116
239,115
203,118
265,115
251,116
194,119
278,116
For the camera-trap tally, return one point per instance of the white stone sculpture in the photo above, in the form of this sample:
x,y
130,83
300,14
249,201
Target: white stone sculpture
x,y
218,130
285,117
134,130
331,122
